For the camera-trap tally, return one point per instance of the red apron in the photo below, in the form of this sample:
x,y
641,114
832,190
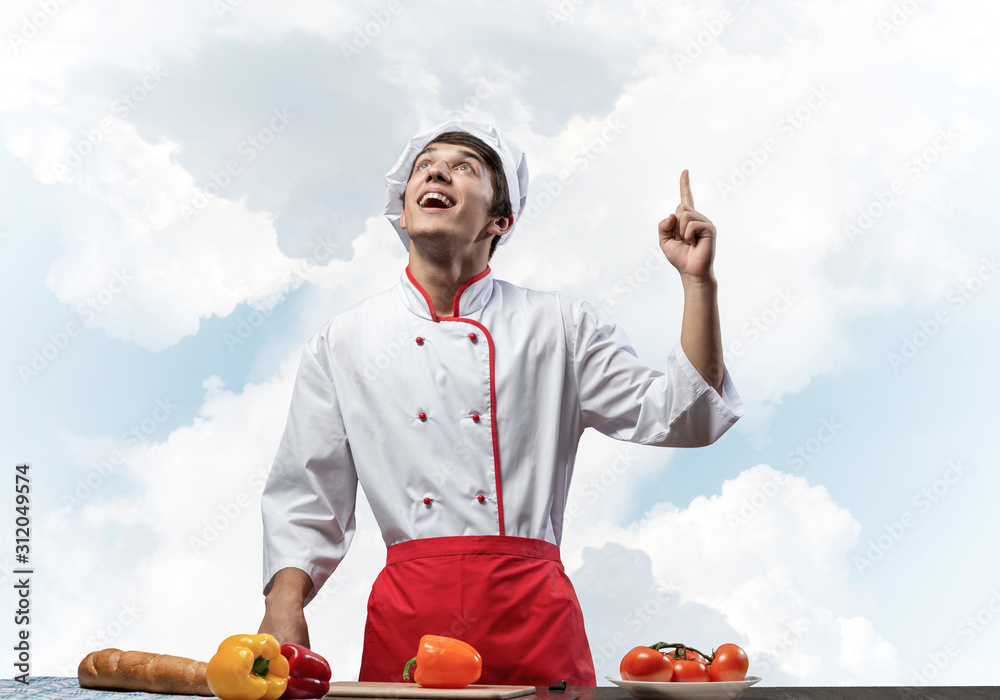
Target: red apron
x,y
509,597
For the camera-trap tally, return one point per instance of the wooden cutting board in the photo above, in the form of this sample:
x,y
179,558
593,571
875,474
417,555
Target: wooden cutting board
x,y
370,689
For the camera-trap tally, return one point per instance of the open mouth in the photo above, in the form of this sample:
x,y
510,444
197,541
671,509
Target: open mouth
x,y
435,200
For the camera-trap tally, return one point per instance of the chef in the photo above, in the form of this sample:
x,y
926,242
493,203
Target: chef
x,y
457,401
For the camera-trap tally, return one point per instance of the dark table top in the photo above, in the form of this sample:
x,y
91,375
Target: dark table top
x,y
972,692
66,688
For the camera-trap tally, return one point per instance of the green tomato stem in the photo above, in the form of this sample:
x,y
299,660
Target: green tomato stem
x,y
682,650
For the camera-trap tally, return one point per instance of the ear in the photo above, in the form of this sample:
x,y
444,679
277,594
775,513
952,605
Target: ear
x,y
402,218
501,225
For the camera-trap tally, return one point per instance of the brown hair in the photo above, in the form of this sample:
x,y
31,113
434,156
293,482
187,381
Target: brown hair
x,y
500,206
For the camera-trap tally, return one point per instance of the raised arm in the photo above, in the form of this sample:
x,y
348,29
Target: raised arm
x,y
687,239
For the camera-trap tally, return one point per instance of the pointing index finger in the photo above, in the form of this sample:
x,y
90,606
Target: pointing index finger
x,y
687,200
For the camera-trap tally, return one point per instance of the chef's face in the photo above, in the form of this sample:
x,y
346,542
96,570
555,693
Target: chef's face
x,y
449,196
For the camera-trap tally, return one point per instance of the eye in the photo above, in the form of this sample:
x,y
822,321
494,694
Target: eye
x,y
466,166
421,164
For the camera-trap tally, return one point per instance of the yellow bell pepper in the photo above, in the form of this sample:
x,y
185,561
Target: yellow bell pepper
x,y
248,667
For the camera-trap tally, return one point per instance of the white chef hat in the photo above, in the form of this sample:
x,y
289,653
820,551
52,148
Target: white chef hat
x,y
515,167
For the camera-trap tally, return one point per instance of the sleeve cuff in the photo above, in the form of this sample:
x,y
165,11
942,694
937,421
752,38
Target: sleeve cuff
x,y
318,578
729,405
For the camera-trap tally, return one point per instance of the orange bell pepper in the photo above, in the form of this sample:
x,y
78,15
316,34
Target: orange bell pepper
x,y
248,667
444,662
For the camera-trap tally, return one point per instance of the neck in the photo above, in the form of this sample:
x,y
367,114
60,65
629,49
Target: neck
x,y
441,279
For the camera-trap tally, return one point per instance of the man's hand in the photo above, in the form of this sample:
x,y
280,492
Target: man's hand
x,y
284,618
687,238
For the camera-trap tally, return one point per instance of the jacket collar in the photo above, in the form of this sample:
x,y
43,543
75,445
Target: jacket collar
x,y
472,296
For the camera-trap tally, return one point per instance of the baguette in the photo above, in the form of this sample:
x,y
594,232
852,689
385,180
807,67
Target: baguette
x,y
114,669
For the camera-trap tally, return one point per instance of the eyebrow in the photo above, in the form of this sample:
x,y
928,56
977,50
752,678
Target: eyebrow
x,y
467,154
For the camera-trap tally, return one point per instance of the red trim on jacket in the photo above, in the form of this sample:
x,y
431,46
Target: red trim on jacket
x,y
493,394
458,295
468,283
427,297
493,413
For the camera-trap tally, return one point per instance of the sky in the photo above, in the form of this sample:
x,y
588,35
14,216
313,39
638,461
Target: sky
x,y
192,189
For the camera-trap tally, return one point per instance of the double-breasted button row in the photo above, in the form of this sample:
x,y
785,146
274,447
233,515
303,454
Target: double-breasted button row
x,y
472,336
481,498
475,417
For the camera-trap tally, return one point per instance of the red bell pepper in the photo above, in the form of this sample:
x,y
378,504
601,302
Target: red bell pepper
x,y
309,673
443,662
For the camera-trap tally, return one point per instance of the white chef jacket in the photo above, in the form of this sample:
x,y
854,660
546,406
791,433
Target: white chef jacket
x,y
463,425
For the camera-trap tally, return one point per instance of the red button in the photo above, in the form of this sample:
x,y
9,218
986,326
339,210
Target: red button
x,y
480,498
472,337
422,416
420,341
475,417
427,501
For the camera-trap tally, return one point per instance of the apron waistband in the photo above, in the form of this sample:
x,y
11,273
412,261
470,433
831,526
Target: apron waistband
x,y
471,544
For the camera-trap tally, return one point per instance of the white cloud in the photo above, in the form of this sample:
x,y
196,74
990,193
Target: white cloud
x,y
863,651
764,564
175,567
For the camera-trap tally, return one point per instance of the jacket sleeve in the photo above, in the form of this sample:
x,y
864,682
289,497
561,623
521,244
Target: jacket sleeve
x,y
624,399
309,498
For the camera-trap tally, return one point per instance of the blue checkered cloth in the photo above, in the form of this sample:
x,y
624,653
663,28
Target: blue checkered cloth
x,y
61,688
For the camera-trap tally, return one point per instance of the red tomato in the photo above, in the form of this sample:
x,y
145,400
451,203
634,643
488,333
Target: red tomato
x,y
645,664
690,670
729,663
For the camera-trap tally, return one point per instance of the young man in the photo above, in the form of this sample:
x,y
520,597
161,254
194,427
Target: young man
x,y
464,438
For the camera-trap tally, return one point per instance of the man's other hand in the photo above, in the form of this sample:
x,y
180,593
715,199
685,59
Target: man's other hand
x,y
284,617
